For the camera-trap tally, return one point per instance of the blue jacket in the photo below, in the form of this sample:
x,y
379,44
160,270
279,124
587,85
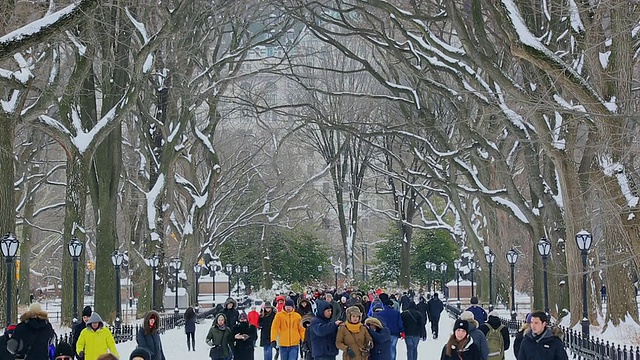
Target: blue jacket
x,y
322,333
391,319
479,314
381,344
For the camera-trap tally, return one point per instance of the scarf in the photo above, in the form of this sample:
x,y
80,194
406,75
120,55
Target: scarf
x,y
354,328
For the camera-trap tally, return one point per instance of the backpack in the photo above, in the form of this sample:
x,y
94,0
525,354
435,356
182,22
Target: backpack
x,y
496,342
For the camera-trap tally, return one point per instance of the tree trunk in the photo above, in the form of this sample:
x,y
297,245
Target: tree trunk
x,y
24,286
7,202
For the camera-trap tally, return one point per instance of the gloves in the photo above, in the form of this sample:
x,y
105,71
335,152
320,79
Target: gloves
x,y
81,355
351,353
402,335
274,345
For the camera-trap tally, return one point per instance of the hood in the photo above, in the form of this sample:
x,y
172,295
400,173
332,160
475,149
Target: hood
x,y
215,320
34,312
302,300
231,301
321,306
473,324
95,318
280,298
494,321
149,315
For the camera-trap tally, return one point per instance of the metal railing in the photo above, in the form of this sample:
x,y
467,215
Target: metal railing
x,y
591,348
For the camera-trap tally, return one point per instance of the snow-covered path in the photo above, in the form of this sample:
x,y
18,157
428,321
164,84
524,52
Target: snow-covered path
x,y
175,344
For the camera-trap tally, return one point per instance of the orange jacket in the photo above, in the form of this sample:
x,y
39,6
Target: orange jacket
x,y
287,329
254,318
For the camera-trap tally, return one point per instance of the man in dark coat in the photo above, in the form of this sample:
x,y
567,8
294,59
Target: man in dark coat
x,y
381,339
392,320
32,335
423,308
414,330
244,336
264,324
434,309
493,323
322,332
336,311
542,342
148,336
8,333
404,301
479,314
230,312
81,325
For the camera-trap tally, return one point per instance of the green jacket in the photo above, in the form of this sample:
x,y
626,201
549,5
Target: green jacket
x,y
220,339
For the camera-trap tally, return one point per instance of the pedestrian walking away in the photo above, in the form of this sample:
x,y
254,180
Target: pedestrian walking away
x,y
190,320
497,336
434,309
479,314
33,335
414,330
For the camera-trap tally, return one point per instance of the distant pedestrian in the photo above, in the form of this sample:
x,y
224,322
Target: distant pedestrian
x,y
230,312
148,336
479,314
96,339
254,317
264,324
190,320
497,336
81,325
434,309
460,345
33,335
542,341
603,293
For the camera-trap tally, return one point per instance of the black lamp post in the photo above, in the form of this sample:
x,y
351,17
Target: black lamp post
x,y
443,271
75,250
229,268
491,258
197,268
245,272
544,248
583,239
9,246
434,276
154,261
512,258
238,270
177,264
116,259
472,268
336,270
213,268
456,264
427,266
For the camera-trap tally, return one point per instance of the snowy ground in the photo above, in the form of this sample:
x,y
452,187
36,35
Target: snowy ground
x,y
174,344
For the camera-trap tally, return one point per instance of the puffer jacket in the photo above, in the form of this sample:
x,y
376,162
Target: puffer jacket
x,y
33,335
149,338
287,328
95,342
354,341
322,333
547,346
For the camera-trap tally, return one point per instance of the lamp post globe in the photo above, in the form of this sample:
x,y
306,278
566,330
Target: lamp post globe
x,y
512,258
75,250
583,240
9,246
491,258
456,265
544,249
116,259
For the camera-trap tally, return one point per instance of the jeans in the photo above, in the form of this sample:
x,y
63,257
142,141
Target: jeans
x,y
435,322
412,347
268,352
289,352
394,342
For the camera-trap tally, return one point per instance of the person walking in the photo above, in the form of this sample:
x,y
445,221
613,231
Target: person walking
x,y
148,336
381,337
4,352
287,331
81,325
434,309
479,314
603,293
414,330
390,318
219,339
497,336
230,312
95,340
322,332
190,320
542,341
460,345
244,336
478,337
264,324
517,341
353,338
33,335
336,310
254,317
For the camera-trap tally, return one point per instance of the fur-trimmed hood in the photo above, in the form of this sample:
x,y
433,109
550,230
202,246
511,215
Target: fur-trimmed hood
x,y
231,301
147,327
34,312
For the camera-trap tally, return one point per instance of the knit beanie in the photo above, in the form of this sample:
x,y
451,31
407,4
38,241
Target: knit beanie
x,y
86,311
64,349
461,324
140,352
289,302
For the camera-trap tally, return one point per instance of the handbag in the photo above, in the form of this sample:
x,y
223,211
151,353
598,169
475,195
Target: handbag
x,y
366,352
216,352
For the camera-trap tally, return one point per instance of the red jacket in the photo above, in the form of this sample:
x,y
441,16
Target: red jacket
x,y
254,317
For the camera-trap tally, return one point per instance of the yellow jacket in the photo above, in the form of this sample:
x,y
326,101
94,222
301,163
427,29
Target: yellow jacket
x,y
96,342
287,329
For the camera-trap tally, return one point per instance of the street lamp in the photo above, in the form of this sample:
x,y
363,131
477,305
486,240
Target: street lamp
x,y
336,270
9,246
238,270
229,268
472,268
245,271
456,264
544,248
213,268
443,270
177,264
154,261
583,239
75,250
512,258
427,265
116,259
491,258
433,269
197,268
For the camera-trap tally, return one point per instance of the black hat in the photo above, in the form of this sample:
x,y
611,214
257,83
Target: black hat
x,y
86,311
141,353
64,349
289,302
461,324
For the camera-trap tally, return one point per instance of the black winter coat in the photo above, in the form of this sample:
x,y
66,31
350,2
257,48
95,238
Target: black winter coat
x,y
190,320
77,329
435,307
423,308
322,333
469,352
381,344
548,346
149,338
33,335
243,348
413,322
4,353
265,323
518,340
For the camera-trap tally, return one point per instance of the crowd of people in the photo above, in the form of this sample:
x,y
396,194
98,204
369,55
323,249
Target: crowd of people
x,y
312,326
